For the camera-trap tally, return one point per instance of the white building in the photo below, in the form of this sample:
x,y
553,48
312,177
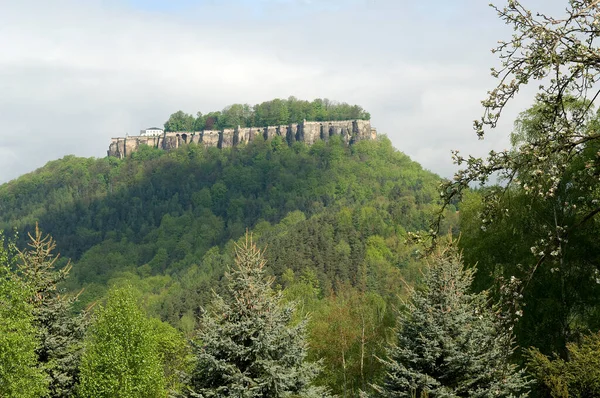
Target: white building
x,y
152,131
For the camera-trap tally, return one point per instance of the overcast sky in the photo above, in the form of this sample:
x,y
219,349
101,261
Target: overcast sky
x,y
75,73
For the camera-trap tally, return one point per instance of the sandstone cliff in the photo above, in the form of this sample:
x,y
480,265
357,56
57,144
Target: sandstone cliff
x,y
309,132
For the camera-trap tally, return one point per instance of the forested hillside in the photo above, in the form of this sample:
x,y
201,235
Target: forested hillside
x,y
288,271
333,219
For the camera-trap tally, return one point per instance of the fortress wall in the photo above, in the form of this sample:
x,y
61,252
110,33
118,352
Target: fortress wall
x,y
309,132
243,135
195,138
270,132
226,138
210,138
362,130
282,131
122,147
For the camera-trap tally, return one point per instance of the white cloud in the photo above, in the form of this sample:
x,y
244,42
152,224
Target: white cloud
x,y
73,74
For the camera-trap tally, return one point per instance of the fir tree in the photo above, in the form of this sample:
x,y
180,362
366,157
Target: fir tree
x,y
60,333
246,346
450,343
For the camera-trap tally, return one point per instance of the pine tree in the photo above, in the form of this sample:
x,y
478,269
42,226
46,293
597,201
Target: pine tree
x,y
19,374
449,341
246,346
59,332
121,357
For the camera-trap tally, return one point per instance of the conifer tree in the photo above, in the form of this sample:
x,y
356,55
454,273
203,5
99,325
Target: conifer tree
x,y
60,333
121,357
246,346
19,374
450,343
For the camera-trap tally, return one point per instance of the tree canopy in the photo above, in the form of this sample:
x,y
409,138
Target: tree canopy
x,y
269,113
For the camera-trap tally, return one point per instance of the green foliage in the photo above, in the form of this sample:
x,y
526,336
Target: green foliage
x,y
577,377
245,346
165,213
174,354
348,331
270,113
121,357
548,200
449,342
562,300
335,216
180,121
59,332
19,374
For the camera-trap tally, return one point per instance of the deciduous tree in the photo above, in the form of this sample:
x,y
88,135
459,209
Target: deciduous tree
x,y
20,376
121,357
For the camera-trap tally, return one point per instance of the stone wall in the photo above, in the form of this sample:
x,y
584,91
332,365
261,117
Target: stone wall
x,y
351,131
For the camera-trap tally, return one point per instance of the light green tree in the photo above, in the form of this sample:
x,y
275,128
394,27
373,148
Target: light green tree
x,y
121,358
180,121
20,375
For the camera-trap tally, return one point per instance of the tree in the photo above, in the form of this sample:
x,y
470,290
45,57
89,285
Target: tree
x,y
449,342
563,56
59,332
245,345
180,121
19,374
121,357
554,165
578,377
348,332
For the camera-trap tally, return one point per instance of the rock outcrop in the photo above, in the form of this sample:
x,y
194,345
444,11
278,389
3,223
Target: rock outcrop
x,y
309,132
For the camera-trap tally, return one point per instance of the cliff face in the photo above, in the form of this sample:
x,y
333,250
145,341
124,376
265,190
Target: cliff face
x,y
309,132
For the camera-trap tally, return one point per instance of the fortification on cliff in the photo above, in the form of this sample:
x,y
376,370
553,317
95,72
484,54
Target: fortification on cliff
x,y
309,132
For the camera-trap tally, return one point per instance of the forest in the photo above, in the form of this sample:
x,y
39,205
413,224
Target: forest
x,y
276,112
330,270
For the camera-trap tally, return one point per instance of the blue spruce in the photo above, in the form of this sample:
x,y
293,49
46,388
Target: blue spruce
x,y
450,343
246,345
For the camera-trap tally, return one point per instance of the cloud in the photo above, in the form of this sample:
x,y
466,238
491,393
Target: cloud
x,y
73,74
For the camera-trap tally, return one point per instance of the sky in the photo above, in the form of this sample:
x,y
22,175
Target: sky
x,y
75,73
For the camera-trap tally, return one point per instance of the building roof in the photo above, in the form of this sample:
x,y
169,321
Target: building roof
x,y
154,128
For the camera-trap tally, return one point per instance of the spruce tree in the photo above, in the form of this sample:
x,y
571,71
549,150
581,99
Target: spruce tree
x,y
246,345
450,343
60,333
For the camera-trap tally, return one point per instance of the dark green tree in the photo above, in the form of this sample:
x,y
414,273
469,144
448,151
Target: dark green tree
x,y
246,346
577,377
122,358
19,374
60,333
449,342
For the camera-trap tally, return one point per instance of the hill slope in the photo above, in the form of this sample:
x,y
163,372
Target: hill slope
x,y
333,219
